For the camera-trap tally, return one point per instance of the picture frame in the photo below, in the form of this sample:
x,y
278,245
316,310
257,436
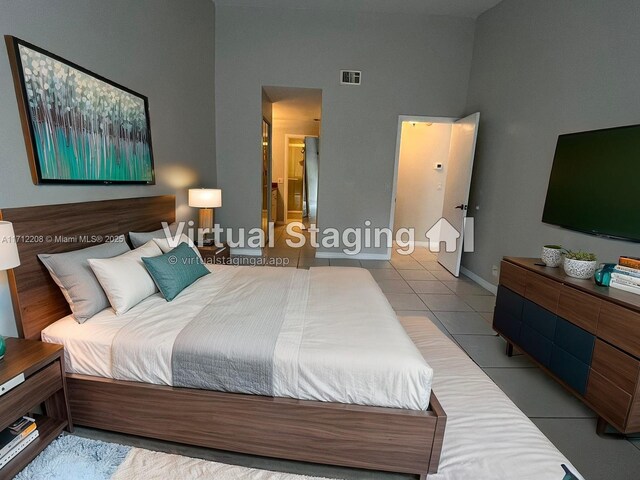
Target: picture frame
x,y
79,127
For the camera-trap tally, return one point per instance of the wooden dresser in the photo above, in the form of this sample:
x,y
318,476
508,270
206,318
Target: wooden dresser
x,y
585,336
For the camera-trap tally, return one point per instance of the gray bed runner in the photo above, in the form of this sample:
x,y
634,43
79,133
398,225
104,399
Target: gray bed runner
x,y
230,345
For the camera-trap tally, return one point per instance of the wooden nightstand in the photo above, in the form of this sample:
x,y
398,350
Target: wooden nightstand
x,y
216,255
42,365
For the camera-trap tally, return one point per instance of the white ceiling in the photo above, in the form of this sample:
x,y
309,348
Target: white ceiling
x,y
457,8
295,103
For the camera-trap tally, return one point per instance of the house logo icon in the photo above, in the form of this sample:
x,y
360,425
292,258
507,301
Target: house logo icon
x,y
443,232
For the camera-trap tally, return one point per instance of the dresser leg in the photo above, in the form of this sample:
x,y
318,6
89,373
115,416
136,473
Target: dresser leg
x,y
509,349
601,426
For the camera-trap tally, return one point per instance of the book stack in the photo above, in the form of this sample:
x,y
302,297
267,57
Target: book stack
x,y
16,437
626,275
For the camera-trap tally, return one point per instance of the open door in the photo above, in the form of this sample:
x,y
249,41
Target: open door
x,y
456,195
311,149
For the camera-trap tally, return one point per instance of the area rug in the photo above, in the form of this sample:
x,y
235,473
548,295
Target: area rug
x,y
75,458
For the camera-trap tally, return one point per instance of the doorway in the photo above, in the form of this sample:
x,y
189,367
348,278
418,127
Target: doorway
x,y
296,125
434,161
295,118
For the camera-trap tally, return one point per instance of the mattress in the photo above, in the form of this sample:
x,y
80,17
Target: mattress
x,y
336,337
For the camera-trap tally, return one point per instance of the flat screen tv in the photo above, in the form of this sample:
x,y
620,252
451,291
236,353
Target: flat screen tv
x,y
595,183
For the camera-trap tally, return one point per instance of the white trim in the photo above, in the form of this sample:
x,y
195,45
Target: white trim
x,y
479,280
249,252
407,118
359,256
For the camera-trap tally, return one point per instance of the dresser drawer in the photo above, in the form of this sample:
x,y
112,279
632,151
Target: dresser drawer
x,y
507,324
513,277
574,340
621,327
509,302
608,399
569,369
541,320
542,291
536,345
579,308
615,365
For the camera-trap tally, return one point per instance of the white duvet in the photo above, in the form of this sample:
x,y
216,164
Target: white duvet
x,y
340,341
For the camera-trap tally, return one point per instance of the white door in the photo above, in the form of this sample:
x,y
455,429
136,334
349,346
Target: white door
x,y
311,154
456,195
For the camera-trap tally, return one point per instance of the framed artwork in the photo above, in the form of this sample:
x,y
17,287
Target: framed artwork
x,y
79,127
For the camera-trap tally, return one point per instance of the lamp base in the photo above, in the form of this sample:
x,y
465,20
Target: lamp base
x,y
205,218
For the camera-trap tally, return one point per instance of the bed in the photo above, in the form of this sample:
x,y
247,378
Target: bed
x,y
365,405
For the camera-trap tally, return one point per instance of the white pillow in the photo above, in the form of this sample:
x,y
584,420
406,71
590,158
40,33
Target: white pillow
x,y
166,247
125,279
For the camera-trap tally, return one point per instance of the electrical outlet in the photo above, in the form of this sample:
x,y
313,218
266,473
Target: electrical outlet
x,y
494,270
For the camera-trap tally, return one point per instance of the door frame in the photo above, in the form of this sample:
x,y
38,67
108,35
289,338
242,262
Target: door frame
x,y
394,187
285,188
269,175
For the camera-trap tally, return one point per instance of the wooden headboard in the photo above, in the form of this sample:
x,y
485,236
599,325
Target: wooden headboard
x,y
37,300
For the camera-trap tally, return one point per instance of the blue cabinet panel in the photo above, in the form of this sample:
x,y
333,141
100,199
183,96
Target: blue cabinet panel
x,y
507,314
535,344
541,320
573,339
507,324
568,368
509,302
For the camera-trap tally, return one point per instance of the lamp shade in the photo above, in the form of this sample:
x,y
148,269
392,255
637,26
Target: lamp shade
x,y
8,247
205,197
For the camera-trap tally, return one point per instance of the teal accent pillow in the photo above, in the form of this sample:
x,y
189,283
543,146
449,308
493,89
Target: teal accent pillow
x,y
176,270
567,473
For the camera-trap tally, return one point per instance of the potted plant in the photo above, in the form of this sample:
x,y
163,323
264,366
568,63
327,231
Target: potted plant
x,y
579,264
552,255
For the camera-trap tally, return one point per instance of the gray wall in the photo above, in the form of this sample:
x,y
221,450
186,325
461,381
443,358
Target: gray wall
x,y
541,69
161,48
411,65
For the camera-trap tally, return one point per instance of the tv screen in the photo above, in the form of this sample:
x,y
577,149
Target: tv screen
x,y
595,183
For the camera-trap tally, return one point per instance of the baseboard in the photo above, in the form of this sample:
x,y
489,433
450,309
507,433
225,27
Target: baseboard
x,y
248,252
359,256
479,280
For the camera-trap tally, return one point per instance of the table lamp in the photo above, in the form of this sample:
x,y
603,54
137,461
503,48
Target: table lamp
x,y
206,199
8,259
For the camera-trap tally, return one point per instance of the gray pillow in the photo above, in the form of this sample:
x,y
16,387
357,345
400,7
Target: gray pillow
x,y
79,285
140,238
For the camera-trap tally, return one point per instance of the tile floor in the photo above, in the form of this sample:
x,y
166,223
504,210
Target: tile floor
x,y
417,285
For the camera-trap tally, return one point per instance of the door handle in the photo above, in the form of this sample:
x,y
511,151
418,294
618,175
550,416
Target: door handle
x,y
462,206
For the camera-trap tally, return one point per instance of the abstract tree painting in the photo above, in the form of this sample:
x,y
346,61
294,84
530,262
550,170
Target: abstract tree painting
x,y
82,128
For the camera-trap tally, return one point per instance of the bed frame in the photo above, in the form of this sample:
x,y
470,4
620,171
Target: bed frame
x,y
375,438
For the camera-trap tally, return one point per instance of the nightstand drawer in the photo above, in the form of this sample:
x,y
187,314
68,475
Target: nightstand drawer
x,y
33,391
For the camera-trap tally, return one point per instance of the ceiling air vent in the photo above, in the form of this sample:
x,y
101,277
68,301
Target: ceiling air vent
x,y
350,77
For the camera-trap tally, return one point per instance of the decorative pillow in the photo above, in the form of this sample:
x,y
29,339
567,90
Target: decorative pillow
x,y
176,270
140,238
166,245
124,279
79,285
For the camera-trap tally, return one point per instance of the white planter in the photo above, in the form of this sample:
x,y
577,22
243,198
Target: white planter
x,y
579,268
551,257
